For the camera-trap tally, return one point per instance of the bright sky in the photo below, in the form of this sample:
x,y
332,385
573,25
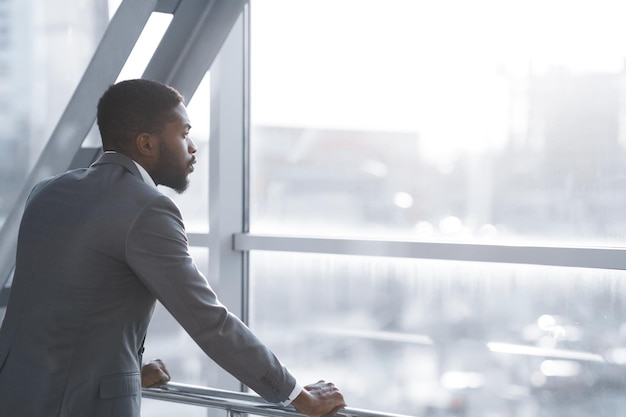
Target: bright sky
x,y
434,67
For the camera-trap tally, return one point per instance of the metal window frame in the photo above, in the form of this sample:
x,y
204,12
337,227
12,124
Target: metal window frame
x,y
578,257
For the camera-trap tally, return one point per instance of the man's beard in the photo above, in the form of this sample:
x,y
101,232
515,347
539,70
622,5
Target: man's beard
x,y
170,173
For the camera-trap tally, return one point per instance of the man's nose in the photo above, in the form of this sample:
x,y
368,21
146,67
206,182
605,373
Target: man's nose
x,y
192,146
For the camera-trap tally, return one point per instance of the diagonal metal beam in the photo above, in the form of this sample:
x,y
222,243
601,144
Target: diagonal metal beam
x,y
192,41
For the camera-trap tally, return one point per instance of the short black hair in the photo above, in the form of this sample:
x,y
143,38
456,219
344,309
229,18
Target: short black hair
x,y
131,107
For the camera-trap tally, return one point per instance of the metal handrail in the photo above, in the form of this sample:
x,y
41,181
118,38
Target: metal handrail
x,y
236,403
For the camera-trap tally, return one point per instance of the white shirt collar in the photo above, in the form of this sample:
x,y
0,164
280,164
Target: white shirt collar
x,y
144,174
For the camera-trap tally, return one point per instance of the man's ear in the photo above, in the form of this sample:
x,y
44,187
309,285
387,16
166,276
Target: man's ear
x,y
146,144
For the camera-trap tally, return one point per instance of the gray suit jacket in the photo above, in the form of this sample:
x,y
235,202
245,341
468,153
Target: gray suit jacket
x,y
96,248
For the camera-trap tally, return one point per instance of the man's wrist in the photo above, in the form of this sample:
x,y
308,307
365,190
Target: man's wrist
x,y
297,389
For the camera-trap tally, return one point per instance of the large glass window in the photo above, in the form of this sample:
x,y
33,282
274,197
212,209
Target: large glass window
x,y
442,338
483,121
439,120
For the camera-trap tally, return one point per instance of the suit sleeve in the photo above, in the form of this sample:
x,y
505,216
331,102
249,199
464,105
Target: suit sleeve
x,y
157,251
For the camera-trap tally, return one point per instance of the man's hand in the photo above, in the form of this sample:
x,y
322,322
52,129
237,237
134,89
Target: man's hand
x,y
319,399
154,374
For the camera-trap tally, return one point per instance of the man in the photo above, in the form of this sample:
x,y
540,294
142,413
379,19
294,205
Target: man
x,y
96,248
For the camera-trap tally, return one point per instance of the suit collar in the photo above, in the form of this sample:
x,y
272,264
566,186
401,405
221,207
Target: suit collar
x,y
120,159
131,165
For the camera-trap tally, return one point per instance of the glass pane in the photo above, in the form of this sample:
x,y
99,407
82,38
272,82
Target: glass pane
x,y
44,50
439,120
194,202
435,338
147,43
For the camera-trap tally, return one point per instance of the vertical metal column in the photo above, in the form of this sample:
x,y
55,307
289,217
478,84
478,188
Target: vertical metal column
x,y
227,181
